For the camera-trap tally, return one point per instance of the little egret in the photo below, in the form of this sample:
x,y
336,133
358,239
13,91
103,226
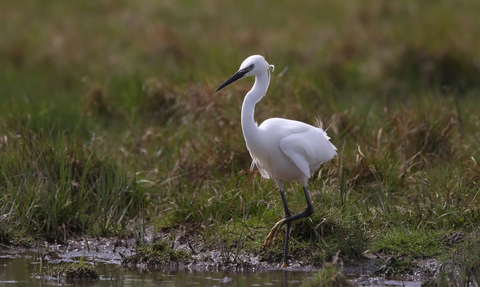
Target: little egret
x,y
281,149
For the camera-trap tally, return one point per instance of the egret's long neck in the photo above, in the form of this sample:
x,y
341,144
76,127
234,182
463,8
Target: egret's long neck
x,y
249,127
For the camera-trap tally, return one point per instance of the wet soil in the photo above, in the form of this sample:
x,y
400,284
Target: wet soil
x,y
114,251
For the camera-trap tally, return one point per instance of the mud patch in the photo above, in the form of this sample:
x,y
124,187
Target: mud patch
x,y
182,257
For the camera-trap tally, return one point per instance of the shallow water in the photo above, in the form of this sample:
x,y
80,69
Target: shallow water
x,y
19,269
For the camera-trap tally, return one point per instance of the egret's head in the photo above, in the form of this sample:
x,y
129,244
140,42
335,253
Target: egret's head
x,y
252,66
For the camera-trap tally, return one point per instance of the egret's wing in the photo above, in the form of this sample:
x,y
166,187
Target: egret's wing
x,y
297,148
306,148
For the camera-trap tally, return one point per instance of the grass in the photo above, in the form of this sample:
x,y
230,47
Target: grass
x,y
156,253
108,117
330,275
69,271
406,242
56,186
74,271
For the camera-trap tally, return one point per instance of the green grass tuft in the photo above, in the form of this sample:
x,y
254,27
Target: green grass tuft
x,y
330,275
53,186
73,271
155,254
399,241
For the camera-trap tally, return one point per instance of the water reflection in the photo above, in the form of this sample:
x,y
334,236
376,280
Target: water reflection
x,y
17,270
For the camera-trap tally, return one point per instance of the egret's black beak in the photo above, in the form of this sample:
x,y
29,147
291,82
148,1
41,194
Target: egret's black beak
x,y
237,76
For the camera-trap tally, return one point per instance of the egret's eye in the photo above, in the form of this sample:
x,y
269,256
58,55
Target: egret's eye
x,y
250,67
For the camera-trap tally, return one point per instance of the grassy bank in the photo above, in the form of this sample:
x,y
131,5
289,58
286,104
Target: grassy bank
x,y
108,117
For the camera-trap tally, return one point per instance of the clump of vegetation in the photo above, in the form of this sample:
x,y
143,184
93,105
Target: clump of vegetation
x,y
55,188
330,275
160,102
155,254
394,266
96,102
72,270
462,267
399,241
10,235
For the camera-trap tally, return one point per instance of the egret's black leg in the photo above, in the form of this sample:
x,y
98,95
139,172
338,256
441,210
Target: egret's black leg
x,y
303,214
289,219
285,206
287,235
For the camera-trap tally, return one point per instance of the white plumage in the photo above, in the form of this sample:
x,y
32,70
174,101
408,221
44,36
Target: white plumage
x,y
291,150
281,149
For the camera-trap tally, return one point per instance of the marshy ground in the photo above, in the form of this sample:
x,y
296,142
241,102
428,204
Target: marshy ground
x,y
109,127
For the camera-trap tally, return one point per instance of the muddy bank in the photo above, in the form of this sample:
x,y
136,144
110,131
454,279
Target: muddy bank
x,y
115,251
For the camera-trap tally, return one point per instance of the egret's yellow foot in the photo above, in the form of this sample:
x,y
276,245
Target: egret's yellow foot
x,y
273,234
284,265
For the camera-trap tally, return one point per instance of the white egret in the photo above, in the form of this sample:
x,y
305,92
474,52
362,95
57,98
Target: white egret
x,y
281,149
